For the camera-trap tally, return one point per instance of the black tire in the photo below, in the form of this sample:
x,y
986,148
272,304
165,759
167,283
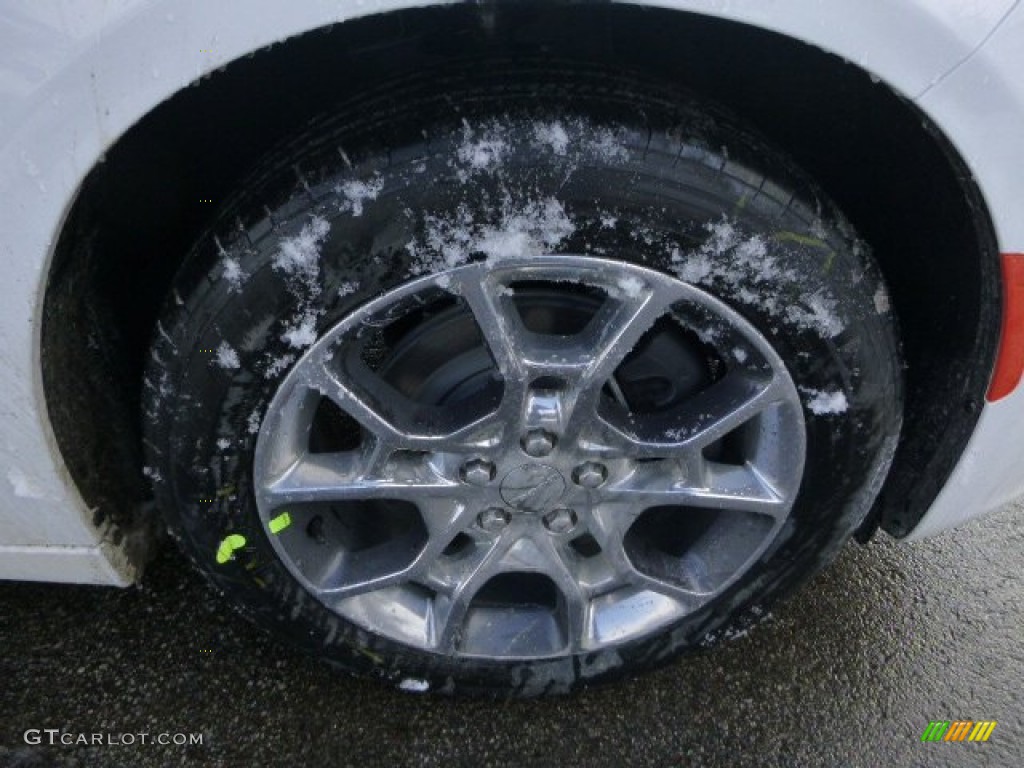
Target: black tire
x,y
645,175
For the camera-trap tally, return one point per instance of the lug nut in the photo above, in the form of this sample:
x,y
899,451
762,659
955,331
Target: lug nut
x,y
493,519
538,442
590,475
560,520
477,472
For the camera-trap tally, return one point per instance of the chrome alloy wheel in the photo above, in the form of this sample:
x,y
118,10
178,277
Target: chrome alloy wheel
x,y
531,458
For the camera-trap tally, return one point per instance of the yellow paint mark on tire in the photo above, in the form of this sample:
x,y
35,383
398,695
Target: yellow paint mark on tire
x,y
280,522
226,550
379,660
785,236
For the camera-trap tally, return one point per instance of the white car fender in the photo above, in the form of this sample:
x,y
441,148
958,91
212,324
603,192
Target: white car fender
x,y
979,103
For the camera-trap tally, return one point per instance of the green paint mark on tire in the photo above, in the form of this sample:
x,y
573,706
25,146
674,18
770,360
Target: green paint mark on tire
x,y
226,550
280,522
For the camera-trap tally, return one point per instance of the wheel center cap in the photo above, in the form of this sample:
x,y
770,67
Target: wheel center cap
x,y
532,488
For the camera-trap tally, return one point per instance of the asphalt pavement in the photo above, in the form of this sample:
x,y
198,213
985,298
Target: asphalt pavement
x,y
847,673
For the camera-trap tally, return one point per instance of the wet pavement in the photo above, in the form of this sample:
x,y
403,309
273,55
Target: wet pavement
x,y
849,672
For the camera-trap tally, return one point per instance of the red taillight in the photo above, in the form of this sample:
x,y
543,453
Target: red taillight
x,y
1010,360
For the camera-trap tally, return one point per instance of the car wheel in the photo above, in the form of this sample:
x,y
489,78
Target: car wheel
x,y
513,383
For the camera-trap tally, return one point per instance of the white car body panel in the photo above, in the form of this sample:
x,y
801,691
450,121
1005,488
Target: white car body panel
x,y
74,76
980,104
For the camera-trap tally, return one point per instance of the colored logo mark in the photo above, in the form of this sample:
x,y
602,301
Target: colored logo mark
x,y
226,550
280,522
958,730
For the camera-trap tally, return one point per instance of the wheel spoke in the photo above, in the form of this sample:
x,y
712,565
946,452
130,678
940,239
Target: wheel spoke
x,y
431,428
340,580
444,519
613,333
699,421
618,327
576,601
715,486
452,611
610,526
668,588
496,318
372,416
342,477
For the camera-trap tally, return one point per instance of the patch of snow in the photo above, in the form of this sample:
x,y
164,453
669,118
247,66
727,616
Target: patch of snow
x,y
768,302
631,286
644,234
303,334
152,473
483,154
552,135
358,192
299,255
223,444
740,354
413,685
752,253
233,272
818,315
607,146
277,365
347,289
695,269
536,227
528,229
253,422
227,358
723,236
881,300
826,403
746,266
608,222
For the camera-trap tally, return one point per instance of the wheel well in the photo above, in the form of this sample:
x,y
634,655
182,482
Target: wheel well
x,y
884,163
